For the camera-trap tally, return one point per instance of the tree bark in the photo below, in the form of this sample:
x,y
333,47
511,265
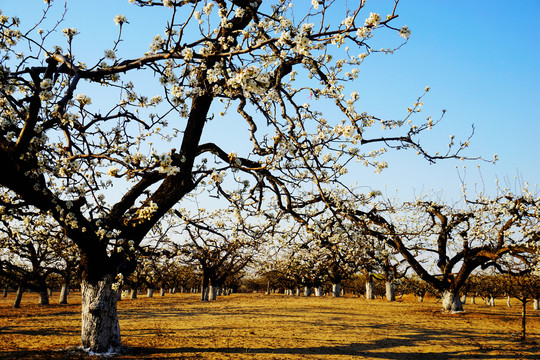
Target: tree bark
x,y
5,292
307,291
134,293
536,303
150,292
63,294
451,301
162,292
100,329
18,297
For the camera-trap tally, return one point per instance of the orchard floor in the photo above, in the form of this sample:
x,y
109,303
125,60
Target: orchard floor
x,y
255,326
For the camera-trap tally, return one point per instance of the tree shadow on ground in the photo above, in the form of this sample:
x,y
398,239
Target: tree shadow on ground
x,y
377,349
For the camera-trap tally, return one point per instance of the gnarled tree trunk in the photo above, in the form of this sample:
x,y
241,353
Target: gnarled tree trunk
x,y
100,331
451,301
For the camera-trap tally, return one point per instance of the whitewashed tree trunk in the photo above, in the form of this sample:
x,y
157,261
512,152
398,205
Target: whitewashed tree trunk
x,y
508,301
44,297
390,293
536,303
297,292
212,293
162,292
18,297
134,293
63,294
150,292
336,290
473,299
307,291
318,291
369,290
5,292
491,301
205,293
100,331
451,301
420,298
464,299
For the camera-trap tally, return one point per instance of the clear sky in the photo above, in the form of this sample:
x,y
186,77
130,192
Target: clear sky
x,y
480,58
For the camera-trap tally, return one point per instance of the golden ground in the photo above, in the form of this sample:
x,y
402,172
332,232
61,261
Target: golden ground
x,y
256,326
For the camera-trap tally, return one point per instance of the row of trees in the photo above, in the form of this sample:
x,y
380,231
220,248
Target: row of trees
x,y
118,170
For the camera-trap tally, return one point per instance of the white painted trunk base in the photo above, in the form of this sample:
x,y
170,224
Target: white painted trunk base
x,y
451,302
336,290
369,291
63,294
390,293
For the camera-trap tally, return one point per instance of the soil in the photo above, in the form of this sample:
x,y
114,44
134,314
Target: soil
x,y
258,326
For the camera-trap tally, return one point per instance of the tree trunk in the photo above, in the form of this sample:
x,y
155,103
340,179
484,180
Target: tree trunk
x,y
420,298
205,293
44,296
212,292
464,299
307,291
100,329
63,294
18,297
5,292
336,289
134,293
536,303
390,293
369,290
473,299
451,301
318,291
162,292
508,301
149,292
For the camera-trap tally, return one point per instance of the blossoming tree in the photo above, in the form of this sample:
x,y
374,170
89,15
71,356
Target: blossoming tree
x,y
109,171
444,244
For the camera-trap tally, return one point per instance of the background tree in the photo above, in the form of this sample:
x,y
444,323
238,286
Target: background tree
x,y
460,240
31,249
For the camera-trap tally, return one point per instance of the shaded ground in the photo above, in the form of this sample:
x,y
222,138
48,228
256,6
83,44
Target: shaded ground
x,y
254,326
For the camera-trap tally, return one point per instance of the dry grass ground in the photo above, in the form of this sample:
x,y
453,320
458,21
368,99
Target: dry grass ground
x,y
255,326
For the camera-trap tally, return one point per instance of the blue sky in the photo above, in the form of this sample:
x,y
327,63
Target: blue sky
x,y
480,58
